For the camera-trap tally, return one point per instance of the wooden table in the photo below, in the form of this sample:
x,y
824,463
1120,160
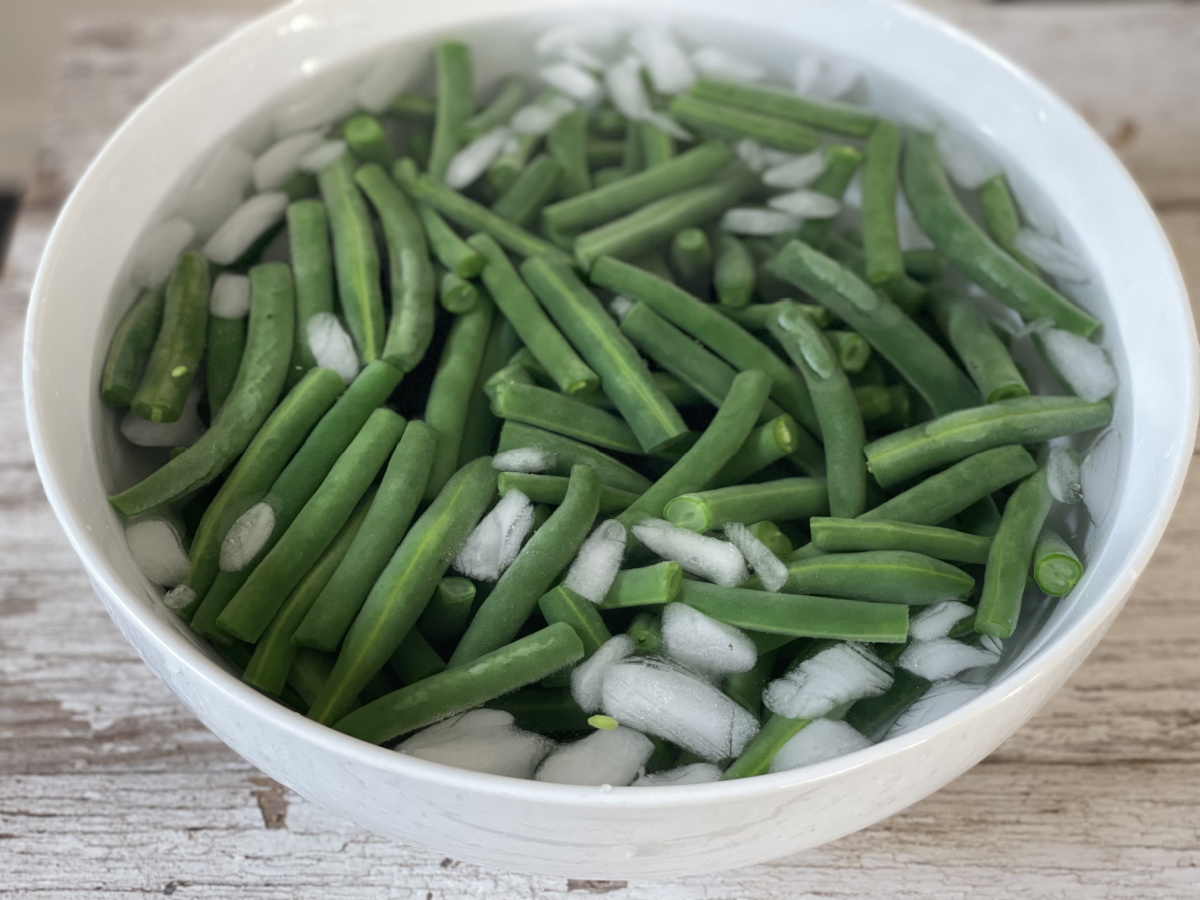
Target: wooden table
x,y
109,787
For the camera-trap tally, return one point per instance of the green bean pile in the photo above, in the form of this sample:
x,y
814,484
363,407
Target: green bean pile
x,y
580,299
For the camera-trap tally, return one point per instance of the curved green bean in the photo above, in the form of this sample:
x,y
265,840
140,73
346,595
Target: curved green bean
x,y
523,200
981,351
832,535
567,144
568,453
450,250
1011,556
907,293
551,489
130,348
508,100
455,103
880,178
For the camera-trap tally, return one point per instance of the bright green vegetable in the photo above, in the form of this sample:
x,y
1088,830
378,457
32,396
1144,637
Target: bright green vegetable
x,y
537,406
447,247
364,135
785,499
734,272
774,539
455,103
544,710
981,351
823,114
768,443
841,162
1011,556
646,586
733,122
226,342
449,610
508,100
1001,218
567,144
851,349
692,260
568,453
849,535
561,604
456,294
130,348
1056,568
881,174
312,268
414,660
531,190
552,489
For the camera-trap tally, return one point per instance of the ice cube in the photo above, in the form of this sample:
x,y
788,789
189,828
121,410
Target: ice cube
x,y
482,740
157,550
818,741
702,643
599,559
587,678
603,757
841,674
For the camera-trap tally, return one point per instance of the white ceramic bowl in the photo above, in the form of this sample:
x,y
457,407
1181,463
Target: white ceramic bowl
x,y
1052,157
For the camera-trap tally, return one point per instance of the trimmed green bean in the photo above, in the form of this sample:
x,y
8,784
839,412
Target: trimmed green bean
x,y
980,518
480,428
756,316
726,433
544,710
899,456
130,348
415,660
633,158
226,342
624,376
401,593
544,556
556,412
841,162
926,264
458,689
570,373
455,103
605,156
533,188
508,100
604,204
309,670
692,260
657,146
250,402
943,218
413,105
257,601
446,404
704,322
505,169
447,247
907,293
456,294
445,618
399,494
654,224
797,614
894,335
823,114
732,122
734,272
774,539
552,489
364,135
646,586
410,271
179,346
312,268
768,443
568,453
275,651
785,499
881,576
468,214
880,178
646,631
567,144
1011,556
851,349
561,604
837,411
833,535
1001,218
601,178
1056,568
981,351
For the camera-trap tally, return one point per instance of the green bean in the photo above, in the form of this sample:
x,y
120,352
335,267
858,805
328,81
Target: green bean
x,y
567,144
401,593
257,601
445,618
456,294
901,455
746,688
179,345
418,147
226,341
1056,568
924,265
275,651
647,586
907,293
552,489
479,430
731,122
692,260
415,660
447,247
496,114
787,498
624,375
734,272
468,214
881,576
768,443
633,157
260,378
1001,218
559,413
413,105
947,493
1011,556
823,114
364,135
570,373
309,670
895,336
381,684
544,710
756,757
130,348
543,557
561,604
601,178
511,163
983,354
458,689
410,271
446,404
774,539
980,518
646,631
848,535
657,146
299,186
455,103
837,410
400,492
881,173
756,316
533,188
899,412
654,224
841,162
717,445
568,453
850,348
606,156
873,716
312,267
942,217
604,204
798,615
704,322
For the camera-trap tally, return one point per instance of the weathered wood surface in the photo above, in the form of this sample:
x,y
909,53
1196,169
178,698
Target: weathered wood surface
x,y
108,787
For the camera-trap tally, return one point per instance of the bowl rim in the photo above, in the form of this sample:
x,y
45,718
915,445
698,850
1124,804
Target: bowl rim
x,y
172,644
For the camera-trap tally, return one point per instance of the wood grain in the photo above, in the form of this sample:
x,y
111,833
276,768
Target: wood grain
x,y
109,787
